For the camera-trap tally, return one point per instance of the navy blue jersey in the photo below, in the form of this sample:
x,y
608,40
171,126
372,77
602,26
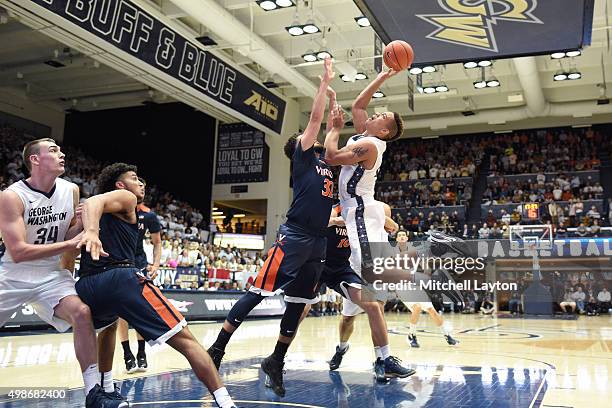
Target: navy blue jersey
x,y
119,240
313,188
338,247
147,220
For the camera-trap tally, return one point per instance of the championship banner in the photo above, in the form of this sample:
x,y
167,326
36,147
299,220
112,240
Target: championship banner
x,y
242,155
194,305
131,29
446,31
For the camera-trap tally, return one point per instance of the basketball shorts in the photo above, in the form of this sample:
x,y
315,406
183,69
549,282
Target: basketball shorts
x,y
126,293
293,266
43,296
340,278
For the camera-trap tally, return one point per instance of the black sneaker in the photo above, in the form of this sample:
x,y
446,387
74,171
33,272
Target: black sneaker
x,y
216,355
379,370
116,395
447,246
395,369
335,361
141,359
97,398
413,341
130,365
450,340
274,371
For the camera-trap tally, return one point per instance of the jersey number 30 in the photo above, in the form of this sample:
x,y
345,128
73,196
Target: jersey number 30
x,y
329,189
44,238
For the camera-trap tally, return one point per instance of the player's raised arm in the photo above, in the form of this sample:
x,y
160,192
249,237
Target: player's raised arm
x,y
359,108
362,151
309,137
14,232
116,202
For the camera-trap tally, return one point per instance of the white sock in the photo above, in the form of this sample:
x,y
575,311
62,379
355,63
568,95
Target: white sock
x,y
222,398
343,345
107,381
385,351
413,328
445,330
91,377
377,352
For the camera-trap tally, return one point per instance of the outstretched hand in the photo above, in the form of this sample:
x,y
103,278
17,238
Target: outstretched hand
x,y
387,74
329,73
337,117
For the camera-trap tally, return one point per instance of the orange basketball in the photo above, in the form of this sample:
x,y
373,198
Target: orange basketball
x,y
398,55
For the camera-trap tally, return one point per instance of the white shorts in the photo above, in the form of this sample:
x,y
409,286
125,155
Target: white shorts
x,y
424,305
349,308
43,296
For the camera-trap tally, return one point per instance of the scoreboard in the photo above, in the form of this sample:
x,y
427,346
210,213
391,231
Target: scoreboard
x,y
531,211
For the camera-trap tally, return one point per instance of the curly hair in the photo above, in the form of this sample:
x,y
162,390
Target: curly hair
x,y
110,174
290,146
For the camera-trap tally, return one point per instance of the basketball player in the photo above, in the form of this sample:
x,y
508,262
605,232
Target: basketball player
x,y
364,216
38,225
113,287
147,221
295,261
416,307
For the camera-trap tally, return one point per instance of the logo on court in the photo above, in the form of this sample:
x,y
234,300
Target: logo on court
x,y
472,24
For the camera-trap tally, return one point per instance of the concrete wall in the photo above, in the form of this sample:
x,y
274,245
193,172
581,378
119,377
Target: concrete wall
x,y
14,102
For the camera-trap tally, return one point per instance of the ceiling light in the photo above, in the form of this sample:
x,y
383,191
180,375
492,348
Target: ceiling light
x,y
239,215
429,90
429,69
415,71
360,75
480,84
345,78
573,53
378,94
310,56
557,55
217,213
470,64
295,30
574,75
323,54
441,88
215,208
362,21
284,3
493,83
310,27
560,76
485,63
267,5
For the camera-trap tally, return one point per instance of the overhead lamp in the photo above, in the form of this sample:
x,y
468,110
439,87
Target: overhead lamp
x,y
215,209
309,56
561,76
493,83
217,213
360,76
429,90
362,21
470,64
574,75
239,215
416,71
441,88
310,27
563,54
269,5
324,54
378,94
480,84
485,63
429,69
295,29
345,78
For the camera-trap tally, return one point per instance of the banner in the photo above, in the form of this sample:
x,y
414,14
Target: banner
x,y
446,31
194,305
133,30
242,155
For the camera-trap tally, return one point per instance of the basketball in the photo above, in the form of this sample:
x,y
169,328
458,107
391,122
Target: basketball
x,y
398,55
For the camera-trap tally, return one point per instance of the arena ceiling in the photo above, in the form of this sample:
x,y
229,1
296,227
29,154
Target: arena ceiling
x,y
83,84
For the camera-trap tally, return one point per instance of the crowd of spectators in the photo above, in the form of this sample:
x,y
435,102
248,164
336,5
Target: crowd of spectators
x,y
438,193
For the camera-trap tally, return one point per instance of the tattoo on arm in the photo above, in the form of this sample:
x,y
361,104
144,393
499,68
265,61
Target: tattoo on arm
x,y
359,151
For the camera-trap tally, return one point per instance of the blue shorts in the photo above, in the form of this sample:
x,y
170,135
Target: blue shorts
x,y
340,277
294,265
126,293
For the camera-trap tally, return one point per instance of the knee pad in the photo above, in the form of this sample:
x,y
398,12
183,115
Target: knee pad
x,y
243,307
291,319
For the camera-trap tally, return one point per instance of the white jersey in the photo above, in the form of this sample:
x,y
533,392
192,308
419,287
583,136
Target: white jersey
x,y
46,218
355,180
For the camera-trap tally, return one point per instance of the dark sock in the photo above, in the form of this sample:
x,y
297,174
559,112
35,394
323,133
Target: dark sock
x,y
222,339
280,351
141,347
127,353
